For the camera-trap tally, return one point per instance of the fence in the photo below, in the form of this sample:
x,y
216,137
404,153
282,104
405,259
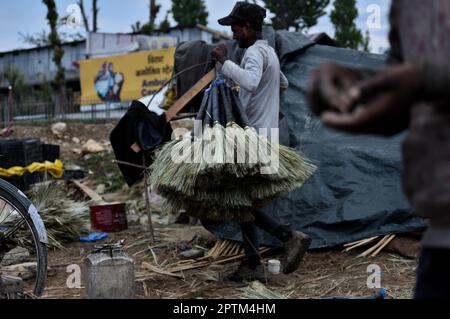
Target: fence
x,y
47,111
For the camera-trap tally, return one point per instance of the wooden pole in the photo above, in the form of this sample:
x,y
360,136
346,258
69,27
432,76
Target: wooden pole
x,y
147,201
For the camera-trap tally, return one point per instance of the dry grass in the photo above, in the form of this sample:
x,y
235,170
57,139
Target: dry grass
x,y
322,273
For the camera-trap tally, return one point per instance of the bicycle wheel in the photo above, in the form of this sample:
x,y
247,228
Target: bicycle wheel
x,y
22,231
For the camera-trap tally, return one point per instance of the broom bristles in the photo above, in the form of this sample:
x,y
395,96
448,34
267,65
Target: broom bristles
x,y
222,174
219,147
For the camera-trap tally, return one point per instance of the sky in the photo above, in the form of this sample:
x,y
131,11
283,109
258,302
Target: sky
x,y
28,17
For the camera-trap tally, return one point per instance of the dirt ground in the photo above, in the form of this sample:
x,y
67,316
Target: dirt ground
x,y
322,273
98,132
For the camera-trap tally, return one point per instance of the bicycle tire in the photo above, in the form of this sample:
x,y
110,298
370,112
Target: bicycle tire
x,y
29,213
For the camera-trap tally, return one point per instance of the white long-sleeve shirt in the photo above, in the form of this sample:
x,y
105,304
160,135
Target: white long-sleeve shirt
x,y
260,79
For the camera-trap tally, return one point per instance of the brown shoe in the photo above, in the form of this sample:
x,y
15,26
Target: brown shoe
x,y
294,250
244,272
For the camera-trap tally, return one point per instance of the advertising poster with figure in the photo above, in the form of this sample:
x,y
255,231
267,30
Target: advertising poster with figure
x,y
126,77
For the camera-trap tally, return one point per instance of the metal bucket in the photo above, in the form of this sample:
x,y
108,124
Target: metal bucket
x,y
109,218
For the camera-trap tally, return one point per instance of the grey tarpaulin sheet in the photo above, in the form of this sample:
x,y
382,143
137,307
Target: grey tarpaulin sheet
x,y
356,192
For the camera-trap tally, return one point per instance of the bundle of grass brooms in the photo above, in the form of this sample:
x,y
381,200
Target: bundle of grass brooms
x,y
223,170
65,219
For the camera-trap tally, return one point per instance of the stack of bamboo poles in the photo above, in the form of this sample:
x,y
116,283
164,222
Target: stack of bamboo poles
x,y
224,251
373,250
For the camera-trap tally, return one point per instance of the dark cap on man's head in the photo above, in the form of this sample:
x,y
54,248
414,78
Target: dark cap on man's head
x,y
245,12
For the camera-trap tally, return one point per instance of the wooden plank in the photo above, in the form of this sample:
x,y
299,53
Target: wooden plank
x,y
189,95
88,191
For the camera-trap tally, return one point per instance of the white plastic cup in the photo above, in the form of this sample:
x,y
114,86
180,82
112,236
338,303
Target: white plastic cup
x,y
274,266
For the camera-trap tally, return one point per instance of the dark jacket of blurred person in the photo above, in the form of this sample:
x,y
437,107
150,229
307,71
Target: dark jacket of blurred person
x,y
420,34
413,93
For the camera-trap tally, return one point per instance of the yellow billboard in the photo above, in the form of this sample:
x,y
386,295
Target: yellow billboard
x,y
125,77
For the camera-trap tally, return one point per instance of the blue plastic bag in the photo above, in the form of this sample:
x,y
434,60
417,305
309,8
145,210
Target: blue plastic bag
x,y
93,237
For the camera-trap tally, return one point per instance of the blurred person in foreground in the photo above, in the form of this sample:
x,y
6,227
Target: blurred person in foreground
x,y
412,93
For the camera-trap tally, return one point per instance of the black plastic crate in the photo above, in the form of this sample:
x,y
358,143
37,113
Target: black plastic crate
x,y
51,152
20,152
72,174
29,179
33,152
12,153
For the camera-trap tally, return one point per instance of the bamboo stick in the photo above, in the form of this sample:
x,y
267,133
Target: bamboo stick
x,y
147,201
356,242
384,245
160,271
222,247
229,248
219,249
361,243
189,267
373,248
236,248
212,251
155,258
140,252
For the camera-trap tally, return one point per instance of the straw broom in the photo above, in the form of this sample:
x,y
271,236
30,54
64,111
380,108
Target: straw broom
x,y
65,219
192,198
231,157
247,147
171,171
293,168
202,199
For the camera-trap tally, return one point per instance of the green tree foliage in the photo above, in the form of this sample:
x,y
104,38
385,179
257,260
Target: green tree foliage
x,y
55,41
23,92
165,24
136,27
298,14
42,39
16,80
347,34
95,11
149,27
58,53
189,12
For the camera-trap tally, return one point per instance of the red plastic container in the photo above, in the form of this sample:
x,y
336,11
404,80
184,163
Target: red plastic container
x,y
109,218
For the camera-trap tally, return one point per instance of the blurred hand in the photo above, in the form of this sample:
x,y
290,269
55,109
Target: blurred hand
x,y
220,53
405,81
369,118
328,88
379,104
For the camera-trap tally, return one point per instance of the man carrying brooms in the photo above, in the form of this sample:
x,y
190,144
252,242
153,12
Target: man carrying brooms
x,y
259,78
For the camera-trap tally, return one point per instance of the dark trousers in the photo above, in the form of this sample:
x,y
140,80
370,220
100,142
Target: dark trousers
x,y
250,233
433,274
